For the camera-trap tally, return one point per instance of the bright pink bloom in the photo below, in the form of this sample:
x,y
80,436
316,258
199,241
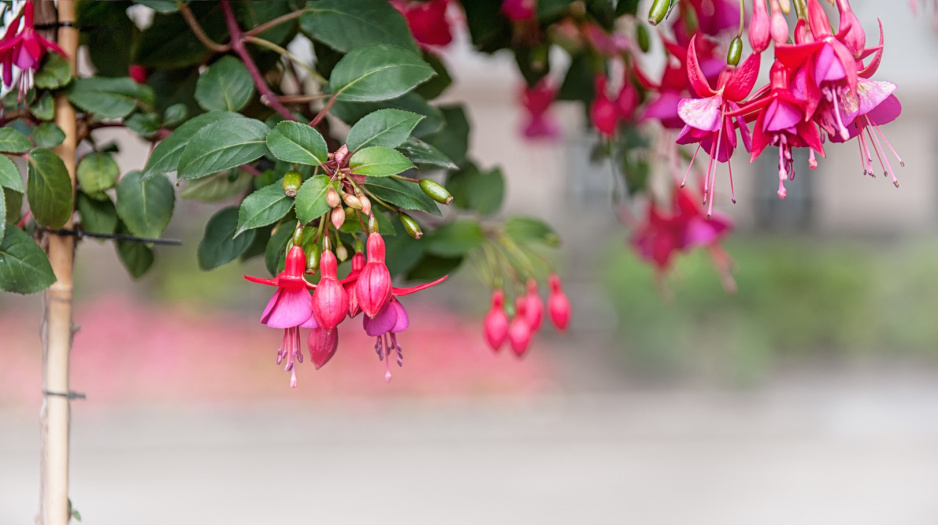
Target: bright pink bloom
x,y
603,112
322,346
495,325
330,300
349,283
139,74
536,101
427,21
628,99
558,306
373,285
23,46
779,26
759,27
518,10
534,307
519,331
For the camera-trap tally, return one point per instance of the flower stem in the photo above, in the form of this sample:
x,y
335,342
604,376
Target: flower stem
x,y
290,56
268,97
322,113
199,32
274,22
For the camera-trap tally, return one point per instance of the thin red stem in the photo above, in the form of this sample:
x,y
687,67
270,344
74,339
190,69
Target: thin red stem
x,y
323,111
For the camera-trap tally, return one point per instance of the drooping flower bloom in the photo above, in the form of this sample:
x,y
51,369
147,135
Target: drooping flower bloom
x,y
427,21
558,306
534,307
759,27
603,112
290,308
322,346
373,284
349,283
519,331
330,300
536,100
22,46
779,26
495,324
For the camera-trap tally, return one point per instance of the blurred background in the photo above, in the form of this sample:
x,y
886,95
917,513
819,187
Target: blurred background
x,y
809,396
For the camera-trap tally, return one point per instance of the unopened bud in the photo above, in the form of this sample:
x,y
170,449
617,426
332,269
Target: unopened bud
x,y
341,252
372,224
312,258
643,37
735,52
291,183
352,201
435,191
298,237
659,11
411,226
366,204
340,154
332,198
338,217
359,247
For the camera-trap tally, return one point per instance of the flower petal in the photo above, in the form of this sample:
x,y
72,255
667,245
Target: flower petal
x,y
701,113
293,308
381,323
402,321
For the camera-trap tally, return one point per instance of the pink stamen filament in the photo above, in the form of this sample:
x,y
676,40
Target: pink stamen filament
x,y
840,123
883,158
729,166
691,165
782,174
876,127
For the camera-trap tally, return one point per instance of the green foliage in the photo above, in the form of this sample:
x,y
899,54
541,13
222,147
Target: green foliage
x,y
221,244
138,258
378,72
406,195
225,86
222,145
421,153
295,142
479,191
24,268
48,189
48,135
265,206
97,215
311,198
97,172
218,187
345,25
12,141
385,127
276,251
165,157
454,239
379,161
54,73
9,174
145,206
530,229
109,97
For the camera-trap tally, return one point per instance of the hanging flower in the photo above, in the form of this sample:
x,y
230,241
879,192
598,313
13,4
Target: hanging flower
x,y
495,325
536,100
22,46
427,21
558,306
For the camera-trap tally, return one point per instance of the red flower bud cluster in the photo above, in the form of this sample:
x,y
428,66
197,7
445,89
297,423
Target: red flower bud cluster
x,y
529,313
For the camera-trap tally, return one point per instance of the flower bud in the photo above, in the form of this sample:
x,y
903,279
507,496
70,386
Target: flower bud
x,y
779,28
330,301
759,24
373,288
358,263
558,306
854,37
332,198
292,180
337,217
644,39
734,52
366,204
495,325
312,258
341,252
341,154
411,226
322,346
659,10
435,191
603,112
534,307
139,74
352,201
519,332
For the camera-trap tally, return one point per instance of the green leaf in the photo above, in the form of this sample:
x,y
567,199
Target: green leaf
x,y
225,86
48,189
530,229
378,72
175,114
276,252
479,191
222,145
12,141
144,124
24,267
265,206
166,155
419,152
3,213
402,194
352,112
14,204
10,175
385,127
44,108
169,42
96,173
453,140
294,142
48,135
160,6
379,161
109,97
137,257
97,216
55,72
346,24
145,206
454,239
438,84
217,187
311,198
220,245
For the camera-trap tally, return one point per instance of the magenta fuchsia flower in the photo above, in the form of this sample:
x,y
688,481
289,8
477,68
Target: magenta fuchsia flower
x,y
519,331
290,308
534,307
322,346
330,302
495,324
603,112
373,284
518,10
778,26
536,100
349,283
558,306
707,119
759,27
427,21
22,46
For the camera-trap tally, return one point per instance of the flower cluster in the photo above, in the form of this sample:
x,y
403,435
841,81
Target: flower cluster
x,y
528,316
366,289
23,47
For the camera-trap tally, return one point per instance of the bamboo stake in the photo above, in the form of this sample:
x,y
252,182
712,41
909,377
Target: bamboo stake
x,y
57,329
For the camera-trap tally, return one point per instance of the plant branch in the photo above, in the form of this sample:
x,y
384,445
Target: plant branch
x,y
323,111
290,56
299,99
199,32
274,22
268,97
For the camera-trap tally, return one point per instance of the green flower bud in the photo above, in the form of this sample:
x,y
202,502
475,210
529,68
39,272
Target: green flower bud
x,y
735,52
643,37
298,237
341,252
411,226
312,258
372,224
435,191
659,11
291,183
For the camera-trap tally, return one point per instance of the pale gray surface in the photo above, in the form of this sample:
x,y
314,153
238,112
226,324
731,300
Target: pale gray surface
x,y
847,454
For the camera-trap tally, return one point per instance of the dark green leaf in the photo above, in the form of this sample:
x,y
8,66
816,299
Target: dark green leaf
x,y
225,86
378,72
109,50
24,267
170,43
160,6
253,14
454,239
137,257
259,246
48,189
166,155
347,24
175,114
479,191
145,206
626,7
276,252
109,97
10,175
48,135
265,206
44,108
219,245
294,142
385,127
453,140
311,198
352,112
438,84
406,195
97,216
217,187
12,141
55,72
96,173
489,28
548,9
419,152
14,204
379,161
144,124
222,145
530,229
431,267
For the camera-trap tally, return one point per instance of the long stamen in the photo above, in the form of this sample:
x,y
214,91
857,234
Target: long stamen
x,y
729,166
691,165
888,166
876,127
782,174
840,123
713,183
387,360
713,149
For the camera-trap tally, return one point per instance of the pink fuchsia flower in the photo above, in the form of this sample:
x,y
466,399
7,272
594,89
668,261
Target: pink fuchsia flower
x,y
603,112
373,284
779,26
330,300
628,99
558,306
713,17
427,21
349,283
495,324
518,10
23,46
759,27
322,346
139,74
389,322
290,308
674,83
519,331
536,100
534,307
707,119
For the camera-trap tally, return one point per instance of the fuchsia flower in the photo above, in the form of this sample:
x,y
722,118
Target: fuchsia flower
x,y
603,111
322,346
536,100
289,308
427,21
534,307
330,302
495,325
707,119
23,46
519,331
759,27
373,283
518,10
349,283
558,306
